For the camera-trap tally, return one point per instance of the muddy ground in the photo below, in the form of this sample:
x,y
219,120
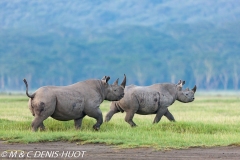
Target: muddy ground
x,y
66,150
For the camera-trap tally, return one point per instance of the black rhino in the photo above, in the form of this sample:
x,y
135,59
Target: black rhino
x,y
73,102
154,99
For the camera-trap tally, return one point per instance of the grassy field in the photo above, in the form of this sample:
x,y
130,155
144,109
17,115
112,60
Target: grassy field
x,y
208,121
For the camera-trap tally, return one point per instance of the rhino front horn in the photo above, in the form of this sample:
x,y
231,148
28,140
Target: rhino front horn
x,y
124,81
194,89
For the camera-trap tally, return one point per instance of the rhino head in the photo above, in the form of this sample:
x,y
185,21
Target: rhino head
x,y
114,92
186,95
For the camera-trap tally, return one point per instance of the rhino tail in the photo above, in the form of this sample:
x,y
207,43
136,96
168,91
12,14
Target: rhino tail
x,y
30,96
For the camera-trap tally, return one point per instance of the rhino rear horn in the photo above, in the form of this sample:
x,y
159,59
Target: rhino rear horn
x,y
194,89
124,81
116,82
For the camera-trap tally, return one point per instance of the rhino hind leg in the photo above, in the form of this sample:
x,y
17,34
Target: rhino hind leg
x,y
38,123
78,122
169,116
41,112
129,119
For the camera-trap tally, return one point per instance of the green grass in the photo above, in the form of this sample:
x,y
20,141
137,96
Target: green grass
x,y
208,121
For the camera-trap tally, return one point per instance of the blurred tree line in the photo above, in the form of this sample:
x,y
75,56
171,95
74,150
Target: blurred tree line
x,y
62,42
208,57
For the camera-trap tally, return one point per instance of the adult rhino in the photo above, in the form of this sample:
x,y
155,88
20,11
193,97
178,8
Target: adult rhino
x,y
154,99
73,102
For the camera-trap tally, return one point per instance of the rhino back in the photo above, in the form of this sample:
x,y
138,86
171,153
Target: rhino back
x,y
165,87
168,93
69,104
92,91
142,100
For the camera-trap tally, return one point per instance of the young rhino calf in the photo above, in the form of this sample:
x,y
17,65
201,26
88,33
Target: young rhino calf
x,y
154,99
73,102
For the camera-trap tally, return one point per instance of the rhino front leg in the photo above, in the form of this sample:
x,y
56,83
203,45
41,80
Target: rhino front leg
x,y
129,118
78,122
42,127
159,115
111,113
169,116
97,114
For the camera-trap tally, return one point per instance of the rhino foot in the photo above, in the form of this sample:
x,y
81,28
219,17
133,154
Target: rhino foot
x,y
96,128
133,125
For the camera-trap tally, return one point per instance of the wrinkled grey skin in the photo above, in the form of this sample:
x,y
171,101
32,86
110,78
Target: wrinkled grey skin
x,y
154,99
73,102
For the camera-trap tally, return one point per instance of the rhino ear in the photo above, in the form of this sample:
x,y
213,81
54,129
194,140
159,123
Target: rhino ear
x,y
124,81
194,89
116,82
183,82
105,79
180,81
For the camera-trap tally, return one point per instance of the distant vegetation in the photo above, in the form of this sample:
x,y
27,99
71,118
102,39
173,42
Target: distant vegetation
x,y
59,43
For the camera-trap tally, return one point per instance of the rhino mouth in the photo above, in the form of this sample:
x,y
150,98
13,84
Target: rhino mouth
x,y
191,100
121,96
